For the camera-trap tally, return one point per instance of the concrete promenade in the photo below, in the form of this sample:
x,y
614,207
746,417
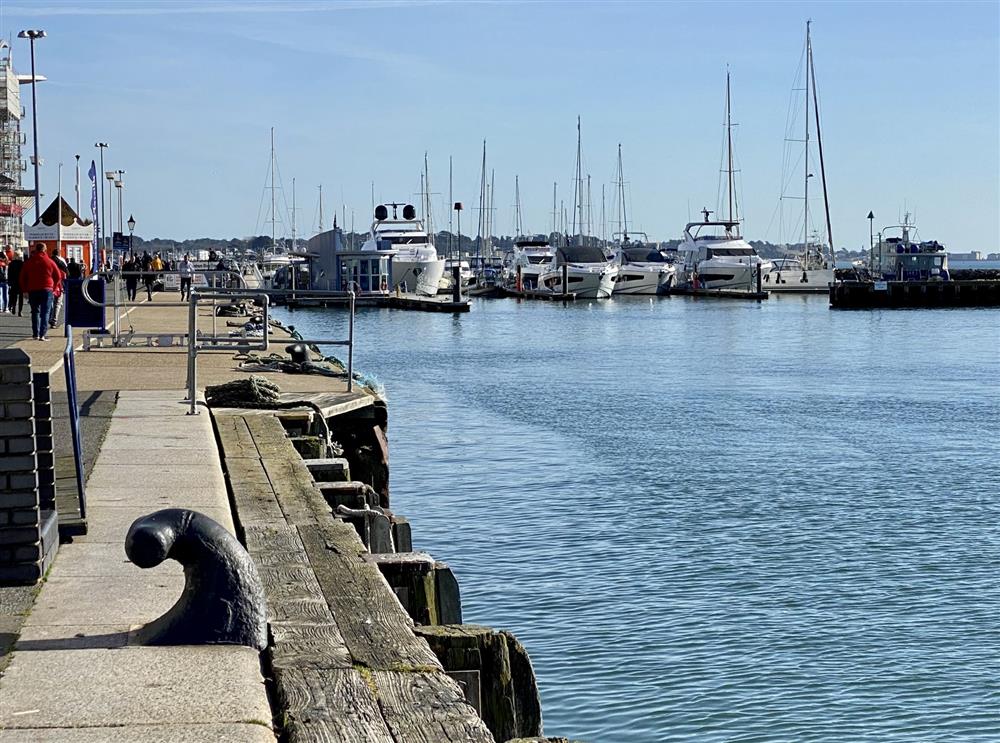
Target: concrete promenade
x,y
75,673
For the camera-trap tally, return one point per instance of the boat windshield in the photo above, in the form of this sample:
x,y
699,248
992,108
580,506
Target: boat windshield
x,y
539,258
406,239
643,255
582,254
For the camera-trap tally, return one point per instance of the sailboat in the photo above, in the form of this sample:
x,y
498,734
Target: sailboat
x,y
811,270
589,274
642,268
714,254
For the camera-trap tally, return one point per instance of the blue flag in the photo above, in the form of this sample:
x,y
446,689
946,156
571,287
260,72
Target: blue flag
x,y
95,251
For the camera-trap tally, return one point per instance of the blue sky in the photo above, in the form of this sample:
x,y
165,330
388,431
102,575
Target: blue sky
x,y
186,93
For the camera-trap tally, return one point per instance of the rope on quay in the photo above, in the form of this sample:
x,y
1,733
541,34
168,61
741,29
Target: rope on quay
x,y
258,392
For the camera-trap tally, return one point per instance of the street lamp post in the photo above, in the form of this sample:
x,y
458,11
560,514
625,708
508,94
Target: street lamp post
x,y
110,175
121,187
871,240
103,205
31,35
131,229
120,184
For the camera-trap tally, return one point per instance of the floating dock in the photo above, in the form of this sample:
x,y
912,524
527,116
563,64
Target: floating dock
x,y
719,293
867,295
538,294
417,302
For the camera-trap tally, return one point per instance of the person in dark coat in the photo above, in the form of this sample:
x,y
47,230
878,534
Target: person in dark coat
x,y
131,270
73,269
16,301
148,277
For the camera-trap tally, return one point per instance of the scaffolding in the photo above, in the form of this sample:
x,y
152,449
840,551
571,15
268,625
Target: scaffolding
x,y
14,200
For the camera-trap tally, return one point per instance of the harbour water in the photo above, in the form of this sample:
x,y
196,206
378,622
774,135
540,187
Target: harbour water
x,y
712,520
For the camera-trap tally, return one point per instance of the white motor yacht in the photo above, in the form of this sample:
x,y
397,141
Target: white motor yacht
x,y
718,261
416,266
589,274
530,259
643,269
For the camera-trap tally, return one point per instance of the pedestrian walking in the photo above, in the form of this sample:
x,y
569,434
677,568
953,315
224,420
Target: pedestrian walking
x,y
3,283
186,269
58,291
16,300
148,277
38,279
131,270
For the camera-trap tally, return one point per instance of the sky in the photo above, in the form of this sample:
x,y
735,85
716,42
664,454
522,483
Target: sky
x,y
186,94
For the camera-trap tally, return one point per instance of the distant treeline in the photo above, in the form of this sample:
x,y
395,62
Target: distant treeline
x,y
445,242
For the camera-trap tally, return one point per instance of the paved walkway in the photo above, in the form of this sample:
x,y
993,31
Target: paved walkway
x,y
75,674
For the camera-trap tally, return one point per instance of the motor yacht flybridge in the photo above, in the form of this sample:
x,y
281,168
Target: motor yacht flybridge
x,y
715,256
416,266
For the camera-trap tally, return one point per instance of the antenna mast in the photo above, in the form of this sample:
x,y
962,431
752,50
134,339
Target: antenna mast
x,y
320,207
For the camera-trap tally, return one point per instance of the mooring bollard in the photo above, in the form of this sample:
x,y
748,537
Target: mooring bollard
x,y
223,599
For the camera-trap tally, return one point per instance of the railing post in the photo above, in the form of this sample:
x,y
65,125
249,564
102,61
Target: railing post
x,y
69,367
350,344
192,350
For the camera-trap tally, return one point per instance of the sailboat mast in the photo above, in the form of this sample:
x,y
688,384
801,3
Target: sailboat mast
x,y
293,214
729,147
819,145
578,187
273,229
621,193
321,207
517,207
482,207
451,213
428,218
590,209
554,213
805,190
604,224
489,228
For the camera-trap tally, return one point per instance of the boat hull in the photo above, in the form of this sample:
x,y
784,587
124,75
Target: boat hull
x,y
584,282
644,281
420,276
809,281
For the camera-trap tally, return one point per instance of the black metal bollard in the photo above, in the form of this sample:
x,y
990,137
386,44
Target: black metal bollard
x,y
223,599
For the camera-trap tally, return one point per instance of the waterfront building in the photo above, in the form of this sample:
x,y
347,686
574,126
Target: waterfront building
x,y
14,199
63,232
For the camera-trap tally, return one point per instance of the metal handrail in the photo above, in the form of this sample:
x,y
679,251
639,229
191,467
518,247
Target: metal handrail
x,y
69,369
237,343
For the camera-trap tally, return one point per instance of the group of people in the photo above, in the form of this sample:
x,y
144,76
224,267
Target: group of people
x,y
41,278
146,267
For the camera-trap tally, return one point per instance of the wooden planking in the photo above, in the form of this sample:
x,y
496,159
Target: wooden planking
x,y
235,437
378,632
312,645
330,706
427,708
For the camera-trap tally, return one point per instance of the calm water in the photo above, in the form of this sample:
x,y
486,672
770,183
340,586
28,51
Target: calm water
x,y
713,520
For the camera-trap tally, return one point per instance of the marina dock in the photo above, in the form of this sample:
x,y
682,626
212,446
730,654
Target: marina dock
x,y
863,295
363,636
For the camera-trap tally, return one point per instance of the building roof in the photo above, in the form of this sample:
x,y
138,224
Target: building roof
x,y
69,217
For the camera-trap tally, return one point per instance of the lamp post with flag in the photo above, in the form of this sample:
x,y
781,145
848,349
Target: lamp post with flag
x,y
95,250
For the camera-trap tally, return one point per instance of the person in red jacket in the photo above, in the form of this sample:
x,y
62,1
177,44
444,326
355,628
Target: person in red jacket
x,y
39,278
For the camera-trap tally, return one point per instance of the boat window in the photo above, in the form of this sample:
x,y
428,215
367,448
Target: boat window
x,y
539,258
712,252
